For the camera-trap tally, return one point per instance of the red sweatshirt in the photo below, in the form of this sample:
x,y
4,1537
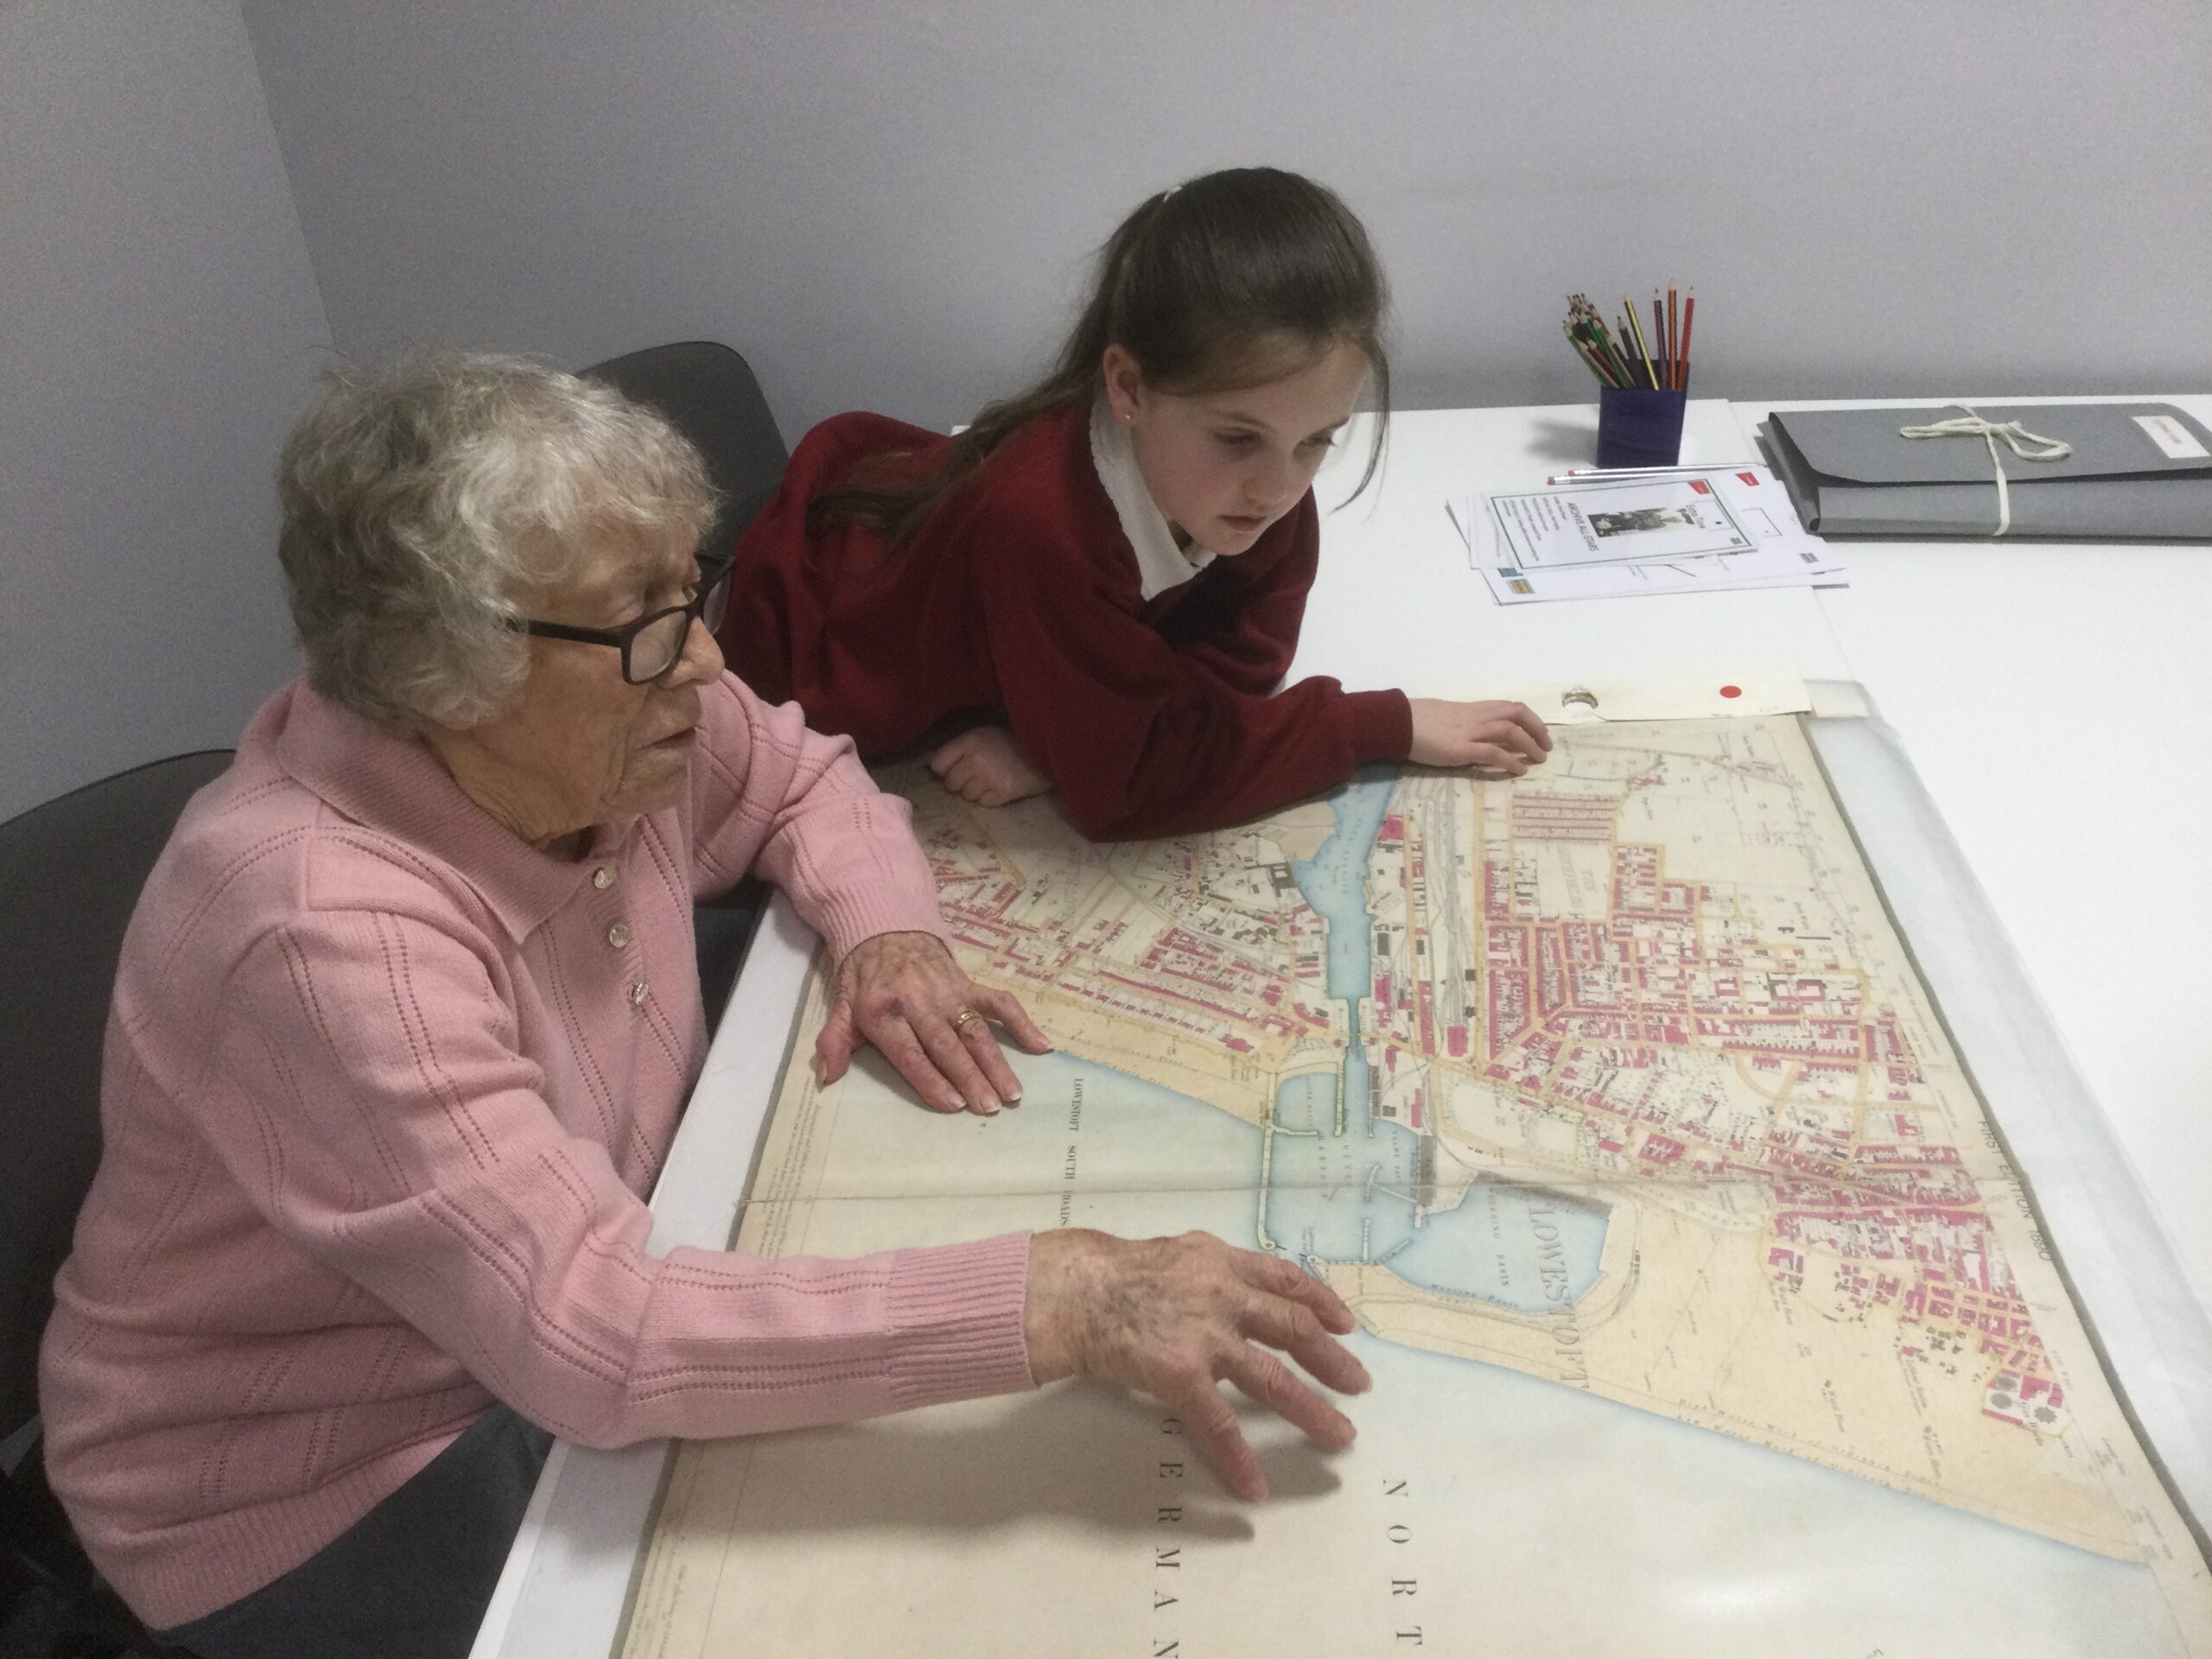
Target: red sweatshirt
x,y
1021,600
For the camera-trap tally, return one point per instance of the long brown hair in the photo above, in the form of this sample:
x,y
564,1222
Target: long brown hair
x,y
1231,280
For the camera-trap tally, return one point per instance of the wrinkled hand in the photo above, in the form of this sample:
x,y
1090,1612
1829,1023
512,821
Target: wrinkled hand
x,y
903,993
1174,1317
1506,737
986,765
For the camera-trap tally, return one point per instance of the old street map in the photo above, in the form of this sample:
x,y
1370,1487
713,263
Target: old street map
x,y
1705,1314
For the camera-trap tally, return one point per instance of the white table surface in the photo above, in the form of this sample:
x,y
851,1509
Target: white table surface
x,y
2049,697
2056,699
1398,604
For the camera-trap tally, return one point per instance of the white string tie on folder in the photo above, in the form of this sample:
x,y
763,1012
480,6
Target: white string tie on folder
x,y
2027,445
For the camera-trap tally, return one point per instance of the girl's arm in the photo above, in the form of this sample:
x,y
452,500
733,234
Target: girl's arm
x,y
1241,622
1144,738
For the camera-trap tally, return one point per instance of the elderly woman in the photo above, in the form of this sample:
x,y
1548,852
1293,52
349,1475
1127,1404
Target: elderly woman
x,y
404,1025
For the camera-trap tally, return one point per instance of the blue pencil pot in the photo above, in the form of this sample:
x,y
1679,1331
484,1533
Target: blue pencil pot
x,y
1639,427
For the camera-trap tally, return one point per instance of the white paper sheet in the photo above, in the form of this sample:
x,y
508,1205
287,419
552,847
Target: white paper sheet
x,y
1728,527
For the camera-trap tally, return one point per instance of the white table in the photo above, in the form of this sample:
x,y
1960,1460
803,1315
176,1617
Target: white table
x,y
2047,696
2056,699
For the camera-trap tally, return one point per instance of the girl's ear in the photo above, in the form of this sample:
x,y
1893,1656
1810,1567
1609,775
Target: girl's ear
x,y
1125,389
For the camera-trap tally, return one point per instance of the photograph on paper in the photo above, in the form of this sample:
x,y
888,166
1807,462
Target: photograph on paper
x,y
1613,524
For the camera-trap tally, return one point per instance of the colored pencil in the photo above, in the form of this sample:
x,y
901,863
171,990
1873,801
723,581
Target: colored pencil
x,y
1628,350
1601,343
1674,337
1650,371
1584,318
1597,367
1582,350
1631,361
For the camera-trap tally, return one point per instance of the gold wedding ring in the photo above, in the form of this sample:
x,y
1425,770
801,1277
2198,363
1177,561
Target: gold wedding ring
x,y
961,1018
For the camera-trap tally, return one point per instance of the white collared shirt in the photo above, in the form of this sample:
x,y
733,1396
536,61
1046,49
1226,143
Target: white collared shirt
x,y
1160,563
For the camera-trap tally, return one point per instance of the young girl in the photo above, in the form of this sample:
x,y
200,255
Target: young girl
x,y
1097,587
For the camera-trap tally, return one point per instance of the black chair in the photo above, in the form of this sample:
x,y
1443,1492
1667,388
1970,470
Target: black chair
x,y
708,394
70,874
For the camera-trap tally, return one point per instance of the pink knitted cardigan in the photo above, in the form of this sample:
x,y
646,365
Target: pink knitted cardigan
x,y
385,1088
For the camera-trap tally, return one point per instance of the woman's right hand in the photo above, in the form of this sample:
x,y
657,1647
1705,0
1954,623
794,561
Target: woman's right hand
x,y
1175,1317
1506,737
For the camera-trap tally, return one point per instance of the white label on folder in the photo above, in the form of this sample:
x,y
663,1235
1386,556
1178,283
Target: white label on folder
x,y
2170,436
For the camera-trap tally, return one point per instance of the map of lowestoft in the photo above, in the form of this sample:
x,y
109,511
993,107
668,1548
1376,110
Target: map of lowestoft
x,y
1617,1076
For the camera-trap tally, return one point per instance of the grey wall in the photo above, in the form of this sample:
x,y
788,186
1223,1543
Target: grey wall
x,y
158,318
889,203
892,204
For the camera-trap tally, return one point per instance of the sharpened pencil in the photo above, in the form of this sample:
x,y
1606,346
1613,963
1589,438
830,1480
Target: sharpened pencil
x,y
1601,344
1673,339
1638,362
1626,355
1584,323
1597,364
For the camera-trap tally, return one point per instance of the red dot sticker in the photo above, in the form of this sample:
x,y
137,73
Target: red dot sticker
x,y
1732,691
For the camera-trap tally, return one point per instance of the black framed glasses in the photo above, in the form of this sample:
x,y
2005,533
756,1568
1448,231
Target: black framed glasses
x,y
654,643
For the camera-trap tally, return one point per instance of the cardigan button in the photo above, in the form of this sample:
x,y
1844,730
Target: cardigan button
x,y
603,878
637,993
619,935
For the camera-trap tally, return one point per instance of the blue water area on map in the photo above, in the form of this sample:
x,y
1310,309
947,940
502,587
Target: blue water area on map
x,y
1334,881
1343,1183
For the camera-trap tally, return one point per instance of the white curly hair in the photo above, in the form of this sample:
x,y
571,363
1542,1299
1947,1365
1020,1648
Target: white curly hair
x,y
422,497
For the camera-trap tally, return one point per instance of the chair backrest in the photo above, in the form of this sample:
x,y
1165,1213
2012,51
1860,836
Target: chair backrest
x,y
70,874
709,392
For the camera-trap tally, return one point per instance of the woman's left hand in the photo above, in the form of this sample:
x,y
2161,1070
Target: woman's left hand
x,y
903,993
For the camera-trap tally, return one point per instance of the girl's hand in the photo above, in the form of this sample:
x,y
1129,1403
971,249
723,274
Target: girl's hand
x,y
1175,1317
903,993
1505,737
985,764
